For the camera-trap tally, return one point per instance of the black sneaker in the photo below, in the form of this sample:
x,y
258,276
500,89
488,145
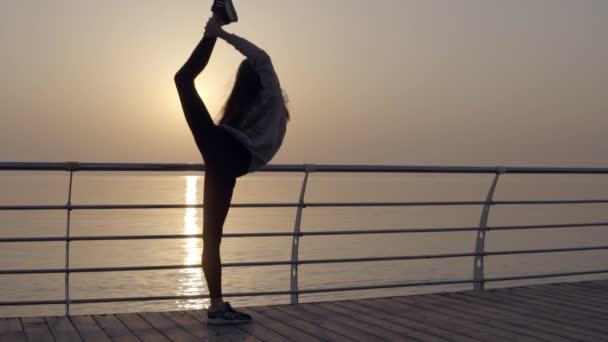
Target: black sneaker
x,y
227,316
225,10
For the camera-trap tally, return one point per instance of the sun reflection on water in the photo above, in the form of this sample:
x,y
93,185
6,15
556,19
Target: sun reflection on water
x,y
192,280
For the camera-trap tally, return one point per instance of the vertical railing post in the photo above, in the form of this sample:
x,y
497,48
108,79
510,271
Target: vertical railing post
x,y
478,263
295,244
71,167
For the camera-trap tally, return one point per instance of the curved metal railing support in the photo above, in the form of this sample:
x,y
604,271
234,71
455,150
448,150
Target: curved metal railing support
x,y
480,241
295,242
71,167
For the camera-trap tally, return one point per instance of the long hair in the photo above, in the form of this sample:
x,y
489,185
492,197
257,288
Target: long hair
x,y
247,87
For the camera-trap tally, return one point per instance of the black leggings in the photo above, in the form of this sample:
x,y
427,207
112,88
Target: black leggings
x,y
225,158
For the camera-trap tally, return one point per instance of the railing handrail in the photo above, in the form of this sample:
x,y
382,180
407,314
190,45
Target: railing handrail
x,y
479,279
300,168
299,205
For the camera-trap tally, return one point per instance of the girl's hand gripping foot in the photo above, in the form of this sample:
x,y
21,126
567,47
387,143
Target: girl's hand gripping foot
x,y
213,29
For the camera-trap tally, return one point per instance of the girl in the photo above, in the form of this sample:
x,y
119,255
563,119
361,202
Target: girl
x,y
250,132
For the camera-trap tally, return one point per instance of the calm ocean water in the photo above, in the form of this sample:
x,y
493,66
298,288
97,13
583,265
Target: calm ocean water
x,y
179,188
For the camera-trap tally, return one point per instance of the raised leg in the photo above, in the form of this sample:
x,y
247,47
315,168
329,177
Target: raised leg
x,y
196,113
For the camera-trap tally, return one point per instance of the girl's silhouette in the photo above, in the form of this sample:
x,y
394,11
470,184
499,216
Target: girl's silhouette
x,y
249,134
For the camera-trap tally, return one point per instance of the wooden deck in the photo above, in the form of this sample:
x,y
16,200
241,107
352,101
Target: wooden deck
x,y
555,312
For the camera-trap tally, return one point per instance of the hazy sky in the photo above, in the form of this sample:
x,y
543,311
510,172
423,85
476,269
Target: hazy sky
x,y
485,82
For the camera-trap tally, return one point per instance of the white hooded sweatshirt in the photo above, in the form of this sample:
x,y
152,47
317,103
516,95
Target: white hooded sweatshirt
x,y
263,129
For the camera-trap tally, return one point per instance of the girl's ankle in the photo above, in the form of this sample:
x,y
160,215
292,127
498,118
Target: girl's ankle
x,y
216,305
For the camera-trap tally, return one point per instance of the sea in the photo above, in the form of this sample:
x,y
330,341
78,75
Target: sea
x,y
107,188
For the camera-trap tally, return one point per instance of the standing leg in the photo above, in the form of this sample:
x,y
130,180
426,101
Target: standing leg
x,y
217,197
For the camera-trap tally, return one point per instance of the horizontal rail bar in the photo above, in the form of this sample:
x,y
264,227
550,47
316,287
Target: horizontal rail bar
x,y
289,234
550,275
139,206
238,205
229,235
244,294
295,205
450,203
303,291
386,286
448,282
139,268
34,302
551,250
392,204
452,255
140,299
300,262
549,226
137,237
74,166
580,201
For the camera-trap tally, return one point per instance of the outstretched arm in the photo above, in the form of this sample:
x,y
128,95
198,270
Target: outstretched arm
x,y
258,58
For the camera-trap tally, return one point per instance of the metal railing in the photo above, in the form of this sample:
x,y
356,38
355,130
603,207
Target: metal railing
x,y
478,255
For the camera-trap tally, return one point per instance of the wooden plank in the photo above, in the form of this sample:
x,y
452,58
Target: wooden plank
x,y
546,294
421,323
580,298
311,329
140,328
114,328
279,327
168,327
600,282
391,330
591,319
11,330
196,328
575,295
36,329
236,332
580,302
326,323
431,318
600,294
88,329
493,329
499,318
558,306
599,297
456,321
62,329
558,315
509,298
418,329
528,315
364,329
524,325
594,285
582,287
